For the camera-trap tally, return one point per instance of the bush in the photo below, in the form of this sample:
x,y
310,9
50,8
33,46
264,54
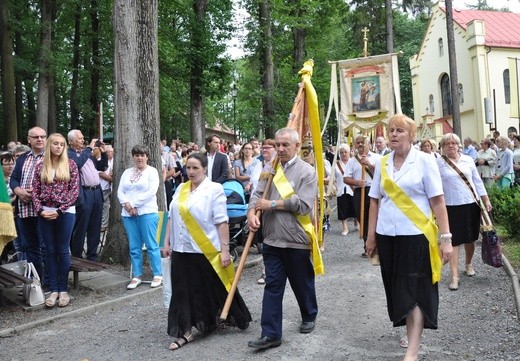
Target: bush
x,y
506,210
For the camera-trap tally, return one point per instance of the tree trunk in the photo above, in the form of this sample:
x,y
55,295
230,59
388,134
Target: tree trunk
x,y
455,113
298,37
136,104
8,82
74,111
197,123
94,130
42,109
267,66
389,27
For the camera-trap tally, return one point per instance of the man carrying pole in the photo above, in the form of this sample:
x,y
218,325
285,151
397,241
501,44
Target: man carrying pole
x,y
358,174
286,219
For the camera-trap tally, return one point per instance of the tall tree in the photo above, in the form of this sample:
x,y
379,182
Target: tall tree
x,y
74,108
8,79
136,101
267,66
45,56
95,70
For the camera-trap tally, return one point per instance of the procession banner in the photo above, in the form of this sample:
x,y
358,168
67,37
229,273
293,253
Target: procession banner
x,y
369,91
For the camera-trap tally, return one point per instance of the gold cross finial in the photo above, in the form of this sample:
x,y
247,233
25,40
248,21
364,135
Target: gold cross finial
x,y
365,30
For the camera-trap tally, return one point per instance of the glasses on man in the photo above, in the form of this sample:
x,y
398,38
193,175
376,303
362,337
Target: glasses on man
x,y
37,136
7,164
267,147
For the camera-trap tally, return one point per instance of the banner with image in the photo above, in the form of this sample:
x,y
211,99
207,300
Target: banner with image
x,y
369,91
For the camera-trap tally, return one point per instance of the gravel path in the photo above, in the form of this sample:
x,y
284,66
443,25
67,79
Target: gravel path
x,y
477,322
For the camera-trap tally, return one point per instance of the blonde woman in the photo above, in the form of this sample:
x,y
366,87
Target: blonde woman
x,y
55,190
244,167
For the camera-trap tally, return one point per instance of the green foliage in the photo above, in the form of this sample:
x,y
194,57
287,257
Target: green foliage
x,y
506,210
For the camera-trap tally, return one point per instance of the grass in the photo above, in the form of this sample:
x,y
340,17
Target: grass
x,y
512,252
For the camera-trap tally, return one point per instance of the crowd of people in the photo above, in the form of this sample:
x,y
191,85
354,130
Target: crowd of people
x,y
414,202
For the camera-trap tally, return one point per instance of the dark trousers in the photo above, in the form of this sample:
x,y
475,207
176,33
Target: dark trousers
x,y
88,222
32,243
357,209
168,189
56,236
282,264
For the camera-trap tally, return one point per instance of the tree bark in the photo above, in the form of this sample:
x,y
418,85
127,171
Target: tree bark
x,y
267,66
136,103
389,27
8,81
455,112
94,74
45,53
74,111
197,123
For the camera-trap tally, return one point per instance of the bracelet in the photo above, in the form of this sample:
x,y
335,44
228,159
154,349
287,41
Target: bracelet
x,y
445,237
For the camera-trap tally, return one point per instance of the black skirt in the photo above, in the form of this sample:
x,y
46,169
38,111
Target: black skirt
x,y
407,277
345,204
198,297
464,223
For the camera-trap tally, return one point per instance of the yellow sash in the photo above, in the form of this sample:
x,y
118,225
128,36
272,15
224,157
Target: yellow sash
x,y
227,274
286,191
418,218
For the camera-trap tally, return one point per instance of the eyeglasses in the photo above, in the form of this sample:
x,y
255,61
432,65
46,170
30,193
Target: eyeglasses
x,y
248,148
37,136
266,147
7,164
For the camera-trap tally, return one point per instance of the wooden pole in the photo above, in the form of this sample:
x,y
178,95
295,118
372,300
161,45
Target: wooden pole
x,y
362,208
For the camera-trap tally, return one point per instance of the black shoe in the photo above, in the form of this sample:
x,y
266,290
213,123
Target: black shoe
x,y
307,326
265,342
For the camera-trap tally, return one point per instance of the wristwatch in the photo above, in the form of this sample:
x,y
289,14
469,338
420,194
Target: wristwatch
x,y
273,204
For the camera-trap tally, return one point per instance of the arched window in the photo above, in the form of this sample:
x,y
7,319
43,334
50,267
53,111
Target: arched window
x,y
446,95
441,47
507,87
431,104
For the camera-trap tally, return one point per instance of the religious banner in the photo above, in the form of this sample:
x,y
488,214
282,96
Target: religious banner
x,y
369,91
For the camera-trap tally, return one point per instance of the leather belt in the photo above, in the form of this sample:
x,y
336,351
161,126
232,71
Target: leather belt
x,y
91,188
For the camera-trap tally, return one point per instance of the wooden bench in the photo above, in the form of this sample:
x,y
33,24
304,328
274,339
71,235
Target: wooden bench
x,y
84,265
10,279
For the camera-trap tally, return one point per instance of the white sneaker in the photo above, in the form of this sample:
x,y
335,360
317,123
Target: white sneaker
x,y
156,282
134,283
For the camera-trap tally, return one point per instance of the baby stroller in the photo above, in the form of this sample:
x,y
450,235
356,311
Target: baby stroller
x,y
237,213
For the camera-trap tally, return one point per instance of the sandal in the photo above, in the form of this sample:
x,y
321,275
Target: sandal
x,y
64,299
403,342
51,300
181,341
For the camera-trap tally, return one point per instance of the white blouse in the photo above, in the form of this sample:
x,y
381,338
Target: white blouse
x,y
419,178
140,192
207,204
341,186
456,192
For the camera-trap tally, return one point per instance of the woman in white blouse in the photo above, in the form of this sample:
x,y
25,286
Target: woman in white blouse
x,y
202,270
405,190
504,169
137,195
463,210
344,192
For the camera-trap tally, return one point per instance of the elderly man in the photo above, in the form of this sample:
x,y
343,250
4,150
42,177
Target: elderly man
x,y
21,183
469,149
361,180
89,207
287,247
381,147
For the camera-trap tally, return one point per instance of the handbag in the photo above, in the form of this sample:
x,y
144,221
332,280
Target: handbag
x,y
491,246
33,293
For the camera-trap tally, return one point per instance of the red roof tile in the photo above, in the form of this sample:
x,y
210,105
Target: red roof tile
x,y
502,29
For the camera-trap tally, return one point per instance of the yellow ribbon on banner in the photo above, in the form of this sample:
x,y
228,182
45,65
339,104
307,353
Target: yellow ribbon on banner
x,y
418,218
314,121
227,274
286,191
